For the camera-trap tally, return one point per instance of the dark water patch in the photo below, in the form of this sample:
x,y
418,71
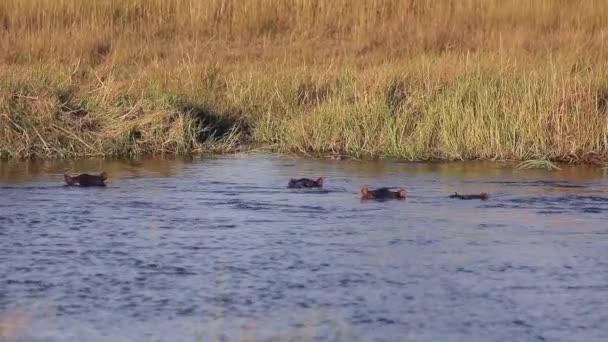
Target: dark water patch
x,y
5,220
258,221
220,183
550,212
522,323
142,205
270,206
166,187
421,241
594,210
523,287
251,188
556,204
514,268
312,191
535,183
464,270
395,242
241,192
601,287
491,226
32,286
31,188
223,226
253,205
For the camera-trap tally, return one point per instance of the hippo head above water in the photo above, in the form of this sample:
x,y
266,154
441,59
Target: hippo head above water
x,y
305,183
85,179
382,193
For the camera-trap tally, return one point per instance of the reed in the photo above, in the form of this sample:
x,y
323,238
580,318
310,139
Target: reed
x,y
538,164
415,80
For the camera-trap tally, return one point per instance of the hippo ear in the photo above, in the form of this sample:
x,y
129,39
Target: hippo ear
x,y
69,180
103,175
402,192
320,181
364,190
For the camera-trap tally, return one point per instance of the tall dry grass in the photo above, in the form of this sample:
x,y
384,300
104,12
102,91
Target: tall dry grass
x,y
428,25
408,79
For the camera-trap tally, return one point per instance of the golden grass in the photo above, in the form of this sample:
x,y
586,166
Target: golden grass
x,y
426,79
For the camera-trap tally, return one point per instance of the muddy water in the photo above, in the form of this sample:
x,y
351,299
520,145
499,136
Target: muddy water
x,y
219,249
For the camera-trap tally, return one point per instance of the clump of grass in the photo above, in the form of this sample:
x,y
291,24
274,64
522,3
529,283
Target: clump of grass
x,y
53,118
538,164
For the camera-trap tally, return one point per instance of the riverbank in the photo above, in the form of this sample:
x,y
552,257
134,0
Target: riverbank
x,y
415,80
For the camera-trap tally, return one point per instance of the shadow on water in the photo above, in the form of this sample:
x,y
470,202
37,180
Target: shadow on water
x,y
220,249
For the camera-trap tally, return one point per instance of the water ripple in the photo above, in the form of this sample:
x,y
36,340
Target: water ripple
x,y
221,250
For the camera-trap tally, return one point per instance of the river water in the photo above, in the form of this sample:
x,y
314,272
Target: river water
x,y
218,249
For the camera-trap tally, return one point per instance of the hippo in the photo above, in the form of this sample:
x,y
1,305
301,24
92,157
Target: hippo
x,y
305,183
85,179
382,193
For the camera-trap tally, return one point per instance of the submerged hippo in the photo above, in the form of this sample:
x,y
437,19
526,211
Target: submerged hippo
x,y
85,179
482,196
382,193
305,183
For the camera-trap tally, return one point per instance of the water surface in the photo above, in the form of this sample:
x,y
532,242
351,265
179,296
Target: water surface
x,y
219,249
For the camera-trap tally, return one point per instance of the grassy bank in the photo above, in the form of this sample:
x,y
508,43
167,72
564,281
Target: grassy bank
x,y
407,79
